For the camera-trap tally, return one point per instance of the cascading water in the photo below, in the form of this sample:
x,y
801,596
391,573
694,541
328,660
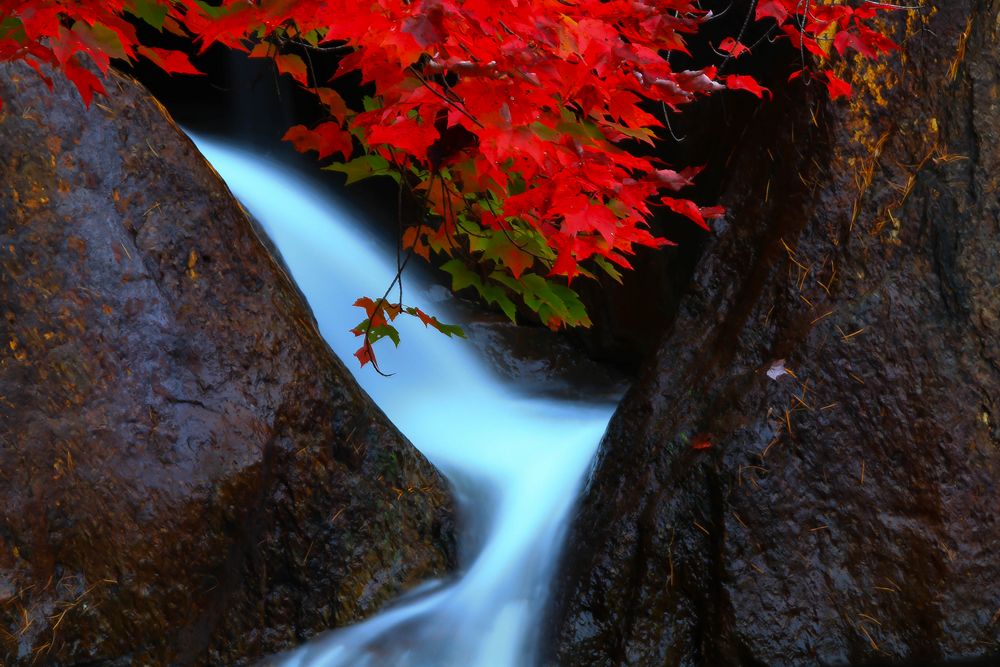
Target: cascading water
x,y
516,461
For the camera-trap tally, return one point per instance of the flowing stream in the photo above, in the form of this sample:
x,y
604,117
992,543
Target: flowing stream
x,y
516,461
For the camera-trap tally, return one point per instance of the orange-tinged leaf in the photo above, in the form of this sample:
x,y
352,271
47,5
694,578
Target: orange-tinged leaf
x,y
392,310
171,62
517,260
101,38
332,100
367,304
365,354
326,139
261,50
413,238
294,66
701,441
171,25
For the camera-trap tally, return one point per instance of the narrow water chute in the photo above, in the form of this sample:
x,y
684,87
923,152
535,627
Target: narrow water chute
x,y
517,460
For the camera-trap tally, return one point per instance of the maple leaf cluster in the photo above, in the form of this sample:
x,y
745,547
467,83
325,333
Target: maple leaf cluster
x,y
814,26
510,121
57,34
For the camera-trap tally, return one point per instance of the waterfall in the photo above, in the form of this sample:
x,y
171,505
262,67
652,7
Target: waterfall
x,y
516,461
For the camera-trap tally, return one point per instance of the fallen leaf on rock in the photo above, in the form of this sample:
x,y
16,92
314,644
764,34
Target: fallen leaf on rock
x,y
701,441
777,369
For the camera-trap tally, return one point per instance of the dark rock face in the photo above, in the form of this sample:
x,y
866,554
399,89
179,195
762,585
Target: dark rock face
x,y
187,474
846,514
543,362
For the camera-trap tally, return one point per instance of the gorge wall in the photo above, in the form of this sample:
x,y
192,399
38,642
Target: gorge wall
x,y
844,511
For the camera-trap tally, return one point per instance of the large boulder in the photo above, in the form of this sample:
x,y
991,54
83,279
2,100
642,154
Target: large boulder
x,y
187,473
846,511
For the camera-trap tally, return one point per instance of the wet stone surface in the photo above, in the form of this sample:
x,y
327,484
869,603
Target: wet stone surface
x,y
846,512
543,362
187,474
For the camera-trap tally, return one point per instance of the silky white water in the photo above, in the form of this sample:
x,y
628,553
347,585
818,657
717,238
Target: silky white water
x,y
515,461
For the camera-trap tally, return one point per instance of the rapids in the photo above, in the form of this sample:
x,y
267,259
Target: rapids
x,y
516,461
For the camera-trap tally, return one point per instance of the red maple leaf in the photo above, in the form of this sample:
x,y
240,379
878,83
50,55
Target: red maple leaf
x,y
836,86
747,83
503,117
326,139
702,441
172,62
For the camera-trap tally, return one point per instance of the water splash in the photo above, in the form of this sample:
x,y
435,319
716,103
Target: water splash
x,y
516,461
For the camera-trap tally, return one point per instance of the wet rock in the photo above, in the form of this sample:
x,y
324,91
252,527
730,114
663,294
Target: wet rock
x,y
187,473
844,512
543,362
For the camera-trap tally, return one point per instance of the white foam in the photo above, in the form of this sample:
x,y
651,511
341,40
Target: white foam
x,y
516,461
